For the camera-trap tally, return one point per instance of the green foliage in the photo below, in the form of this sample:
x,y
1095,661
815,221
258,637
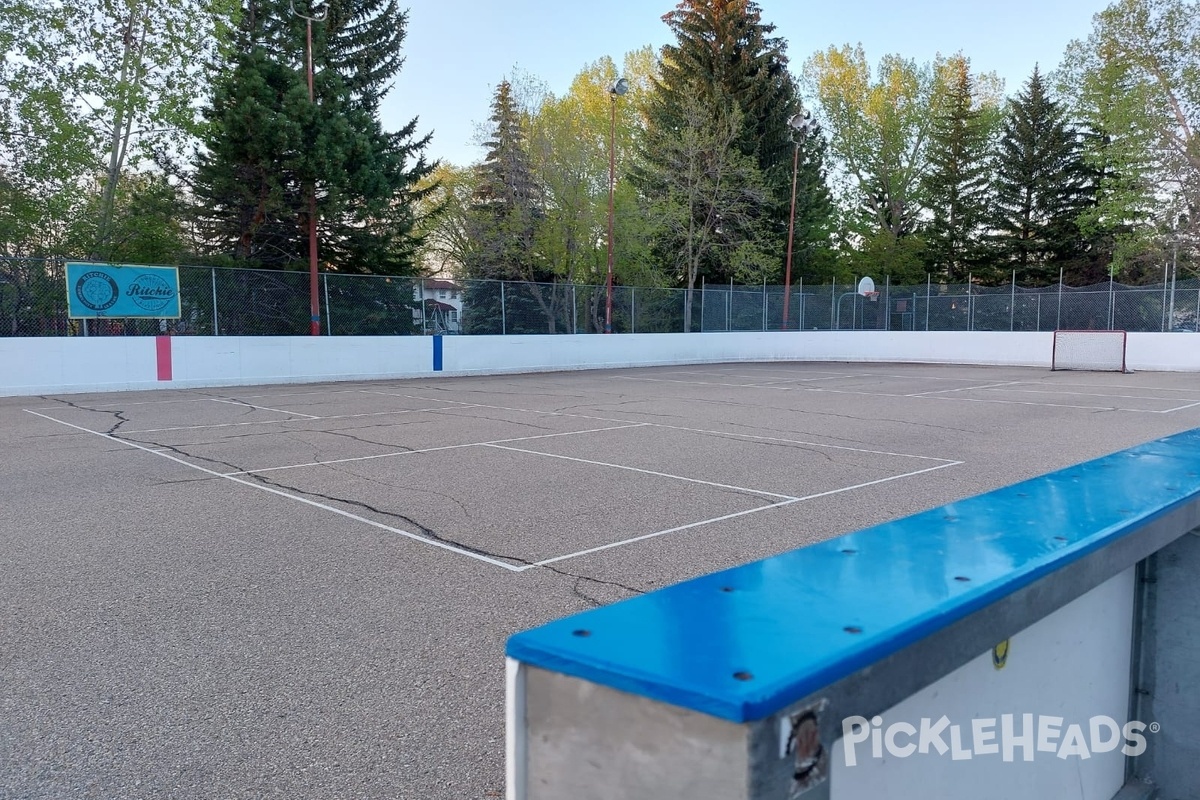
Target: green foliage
x,y
506,207
93,89
268,147
956,187
726,61
708,199
1042,187
1135,84
879,126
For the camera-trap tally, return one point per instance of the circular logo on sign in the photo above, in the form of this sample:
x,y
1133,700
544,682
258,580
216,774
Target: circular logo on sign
x,y
97,291
150,292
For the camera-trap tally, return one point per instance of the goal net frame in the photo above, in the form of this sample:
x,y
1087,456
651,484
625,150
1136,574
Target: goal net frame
x,y
1094,351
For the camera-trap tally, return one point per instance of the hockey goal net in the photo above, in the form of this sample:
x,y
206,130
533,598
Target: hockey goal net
x,y
1089,350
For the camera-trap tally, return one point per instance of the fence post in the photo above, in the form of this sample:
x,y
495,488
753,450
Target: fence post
x,y
574,312
970,304
421,293
833,311
729,307
633,309
1162,325
1171,313
216,327
887,302
503,319
764,301
1197,318
1012,306
928,295
1058,317
701,304
1112,300
800,325
328,316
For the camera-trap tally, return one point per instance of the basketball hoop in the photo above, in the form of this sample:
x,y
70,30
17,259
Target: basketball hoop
x,y
872,296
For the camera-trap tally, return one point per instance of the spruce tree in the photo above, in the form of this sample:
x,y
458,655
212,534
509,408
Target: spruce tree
x,y
506,211
726,56
267,145
1041,186
956,187
505,206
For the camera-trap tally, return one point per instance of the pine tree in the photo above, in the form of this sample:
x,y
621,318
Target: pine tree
x,y
1041,186
726,56
268,145
956,187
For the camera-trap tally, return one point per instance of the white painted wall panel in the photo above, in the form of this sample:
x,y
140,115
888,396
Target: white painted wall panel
x,y
78,364
1064,665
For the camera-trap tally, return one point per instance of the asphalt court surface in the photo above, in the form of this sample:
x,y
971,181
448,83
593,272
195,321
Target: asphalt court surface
x,y
304,591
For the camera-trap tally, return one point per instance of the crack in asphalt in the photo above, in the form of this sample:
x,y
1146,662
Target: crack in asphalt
x,y
578,579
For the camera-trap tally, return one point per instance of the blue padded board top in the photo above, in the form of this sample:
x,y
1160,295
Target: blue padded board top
x,y
746,642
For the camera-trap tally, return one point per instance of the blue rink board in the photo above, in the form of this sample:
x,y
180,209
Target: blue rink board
x,y
749,641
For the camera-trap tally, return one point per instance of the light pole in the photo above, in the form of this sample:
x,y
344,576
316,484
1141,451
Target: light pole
x,y
314,301
616,90
802,125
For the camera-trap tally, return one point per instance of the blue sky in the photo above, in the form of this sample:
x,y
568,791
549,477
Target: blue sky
x,y
458,50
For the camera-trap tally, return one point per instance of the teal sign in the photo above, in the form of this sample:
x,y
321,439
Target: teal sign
x,y
115,290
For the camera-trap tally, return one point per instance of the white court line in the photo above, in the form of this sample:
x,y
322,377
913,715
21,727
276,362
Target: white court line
x,y
765,386
1179,408
966,388
731,516
289,495
645,472
1101,394
692,430
793,378
260,408
293,419
430,450
102,406
926,396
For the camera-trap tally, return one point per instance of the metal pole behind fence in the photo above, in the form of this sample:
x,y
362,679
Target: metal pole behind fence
x,y
503,319
328,316
216,327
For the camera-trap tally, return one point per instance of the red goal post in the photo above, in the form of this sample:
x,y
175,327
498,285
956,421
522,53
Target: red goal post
x,y
1100,351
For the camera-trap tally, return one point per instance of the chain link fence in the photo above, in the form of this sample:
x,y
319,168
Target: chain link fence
x,y
245,302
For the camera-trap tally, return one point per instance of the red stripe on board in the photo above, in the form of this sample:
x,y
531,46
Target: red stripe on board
x,y
162,345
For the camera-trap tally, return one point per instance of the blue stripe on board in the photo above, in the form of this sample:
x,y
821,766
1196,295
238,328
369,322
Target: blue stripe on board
x,y
437,353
